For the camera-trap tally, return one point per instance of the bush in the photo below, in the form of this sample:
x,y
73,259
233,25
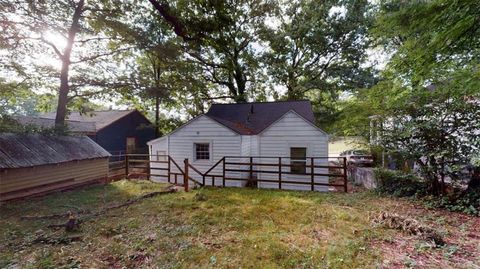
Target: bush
x,y
399,184
467,202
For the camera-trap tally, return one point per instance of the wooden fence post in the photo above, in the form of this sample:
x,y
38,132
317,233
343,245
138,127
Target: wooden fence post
x,y
345,179
185,176
250,172
168,167
280,173
126,166
148,167
223,172
312,174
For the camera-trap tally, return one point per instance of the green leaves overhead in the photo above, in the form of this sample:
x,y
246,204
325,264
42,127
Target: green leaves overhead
x,y
429,37
318,46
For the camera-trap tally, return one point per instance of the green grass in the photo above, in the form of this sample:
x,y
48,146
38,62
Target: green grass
x,y
231,228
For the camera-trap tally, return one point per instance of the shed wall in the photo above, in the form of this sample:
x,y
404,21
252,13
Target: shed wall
x,y
293,131
22,182
113,137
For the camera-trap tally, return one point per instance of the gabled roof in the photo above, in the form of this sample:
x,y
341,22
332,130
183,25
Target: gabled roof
x,y
253,118
101,119
298,115
74,126
27,150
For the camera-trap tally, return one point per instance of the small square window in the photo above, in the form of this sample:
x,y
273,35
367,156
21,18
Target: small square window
x,y
202,151
298,160
161,155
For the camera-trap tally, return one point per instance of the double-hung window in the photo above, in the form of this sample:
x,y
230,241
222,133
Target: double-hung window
x,y
298,160
202,151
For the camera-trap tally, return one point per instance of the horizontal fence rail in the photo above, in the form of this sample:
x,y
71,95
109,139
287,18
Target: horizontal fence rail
x,y
285,172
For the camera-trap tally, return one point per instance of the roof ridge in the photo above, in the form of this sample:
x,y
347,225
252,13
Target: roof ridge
x,y
66,120
267,102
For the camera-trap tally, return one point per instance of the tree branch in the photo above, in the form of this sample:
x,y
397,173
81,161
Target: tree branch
x,y
94,57
178,27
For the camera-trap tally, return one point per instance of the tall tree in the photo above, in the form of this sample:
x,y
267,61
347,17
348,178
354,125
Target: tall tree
x,y
71,32
220,37
318,46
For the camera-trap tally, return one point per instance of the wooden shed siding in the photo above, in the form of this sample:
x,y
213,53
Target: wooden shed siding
x,y
293,131
224,142
113,137
83,171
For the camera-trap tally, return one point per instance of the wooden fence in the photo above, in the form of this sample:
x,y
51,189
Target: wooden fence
x,y
250,170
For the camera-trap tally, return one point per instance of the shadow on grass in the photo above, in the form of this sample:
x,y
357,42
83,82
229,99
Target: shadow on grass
x,y
85,198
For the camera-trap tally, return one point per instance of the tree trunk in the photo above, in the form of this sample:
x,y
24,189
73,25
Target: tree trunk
x,y
433,177
241,86
292,93
475,180
64,87
157,115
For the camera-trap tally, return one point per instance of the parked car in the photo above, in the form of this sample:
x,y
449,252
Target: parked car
x,y
358,157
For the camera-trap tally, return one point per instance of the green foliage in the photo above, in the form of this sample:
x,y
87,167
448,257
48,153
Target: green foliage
x,y
428,36
319,46
224,50
82,57
430,113
399,184
18,98
10,125
467,202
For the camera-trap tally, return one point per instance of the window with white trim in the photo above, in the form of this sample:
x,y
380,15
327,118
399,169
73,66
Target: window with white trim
x,y
202,151
161,155
298,160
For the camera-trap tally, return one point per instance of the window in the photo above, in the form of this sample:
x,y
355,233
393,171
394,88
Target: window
x,y
161,155
131,144
202,151
298,160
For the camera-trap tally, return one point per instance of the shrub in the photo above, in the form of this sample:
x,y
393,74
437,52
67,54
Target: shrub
x,y
467,202
399,184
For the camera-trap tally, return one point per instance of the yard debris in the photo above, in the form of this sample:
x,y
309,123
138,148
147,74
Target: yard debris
x,y
200,197
411,226
54,216
42,239
73,223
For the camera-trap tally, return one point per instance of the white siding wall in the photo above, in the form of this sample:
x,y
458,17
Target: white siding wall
x,y
290,131
293,131
223,141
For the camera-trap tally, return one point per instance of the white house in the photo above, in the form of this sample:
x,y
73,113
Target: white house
x,y
264,131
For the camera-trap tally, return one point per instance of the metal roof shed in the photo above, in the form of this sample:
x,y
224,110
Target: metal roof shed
x,y
32,164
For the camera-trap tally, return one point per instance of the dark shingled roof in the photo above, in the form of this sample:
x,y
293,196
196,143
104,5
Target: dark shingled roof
x,y
74,126
253,118
101,119
27,150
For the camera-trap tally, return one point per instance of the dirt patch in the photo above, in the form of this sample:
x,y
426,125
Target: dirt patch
x,y
460,233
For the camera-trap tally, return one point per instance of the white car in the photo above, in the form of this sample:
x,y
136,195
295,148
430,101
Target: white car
x,y
358,157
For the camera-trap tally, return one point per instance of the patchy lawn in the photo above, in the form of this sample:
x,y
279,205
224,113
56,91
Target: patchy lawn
x,y
231,228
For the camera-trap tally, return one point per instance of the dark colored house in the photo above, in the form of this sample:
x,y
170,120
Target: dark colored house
x,y
117,131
